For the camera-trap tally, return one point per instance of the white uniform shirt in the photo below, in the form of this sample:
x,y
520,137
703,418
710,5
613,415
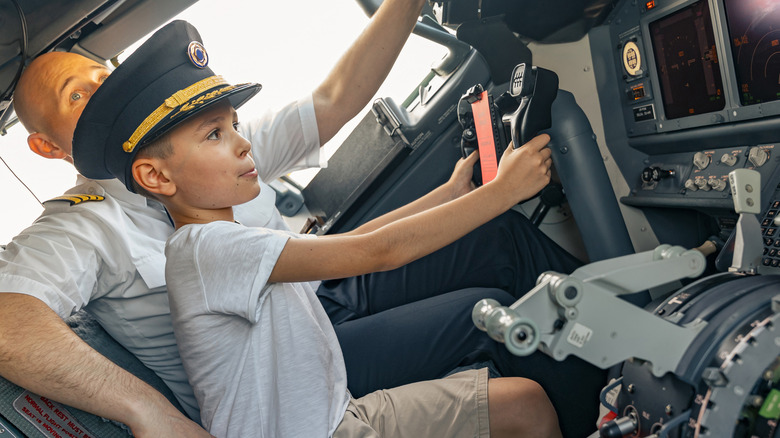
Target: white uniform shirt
x,y
263,358
108,256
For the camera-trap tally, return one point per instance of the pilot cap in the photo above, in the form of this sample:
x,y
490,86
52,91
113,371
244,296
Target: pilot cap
x,y
164,82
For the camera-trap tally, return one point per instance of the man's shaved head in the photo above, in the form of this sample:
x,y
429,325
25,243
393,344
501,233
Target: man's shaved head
x,y
51,94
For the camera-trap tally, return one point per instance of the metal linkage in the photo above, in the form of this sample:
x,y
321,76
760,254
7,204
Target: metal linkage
x,y
579,314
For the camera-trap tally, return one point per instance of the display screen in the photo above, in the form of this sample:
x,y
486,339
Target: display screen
x,y
687,62
754,30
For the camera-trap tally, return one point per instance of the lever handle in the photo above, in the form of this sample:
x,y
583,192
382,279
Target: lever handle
x,y
746,190
535,89
748,240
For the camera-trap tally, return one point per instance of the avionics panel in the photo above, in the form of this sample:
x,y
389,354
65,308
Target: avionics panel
x,y
754,31
696,63
687,62
696,83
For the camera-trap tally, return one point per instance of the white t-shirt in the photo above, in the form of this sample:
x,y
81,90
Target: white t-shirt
x,y
263,358
108,256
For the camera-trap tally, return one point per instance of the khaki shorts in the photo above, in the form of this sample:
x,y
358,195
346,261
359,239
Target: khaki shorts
x,y
453,407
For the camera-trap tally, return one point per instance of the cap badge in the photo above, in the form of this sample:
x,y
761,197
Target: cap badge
x,y
197,54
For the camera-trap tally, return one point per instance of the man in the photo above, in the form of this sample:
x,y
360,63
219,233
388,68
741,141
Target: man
x,y
73,80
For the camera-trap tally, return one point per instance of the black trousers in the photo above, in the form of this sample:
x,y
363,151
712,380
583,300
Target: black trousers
x,y
414,323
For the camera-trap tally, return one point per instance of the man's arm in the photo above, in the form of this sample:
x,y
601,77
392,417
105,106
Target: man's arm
x,y
39,352
362,69
522,173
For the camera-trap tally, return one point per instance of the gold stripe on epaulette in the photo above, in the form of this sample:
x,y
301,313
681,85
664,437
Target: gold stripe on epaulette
x,y
77,199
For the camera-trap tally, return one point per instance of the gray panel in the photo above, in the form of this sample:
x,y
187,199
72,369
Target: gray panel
x,y
129,24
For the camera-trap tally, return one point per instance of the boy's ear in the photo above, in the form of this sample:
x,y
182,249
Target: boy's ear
x,y
42,145
148,174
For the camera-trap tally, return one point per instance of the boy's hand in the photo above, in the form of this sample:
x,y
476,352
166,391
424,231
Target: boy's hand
x,y
526,170
460,181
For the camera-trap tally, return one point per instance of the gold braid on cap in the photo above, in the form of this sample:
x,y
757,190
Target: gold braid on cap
x,y
178,98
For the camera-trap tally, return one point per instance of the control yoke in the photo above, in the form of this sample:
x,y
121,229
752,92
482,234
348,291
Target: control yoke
x,y
524,111
581,313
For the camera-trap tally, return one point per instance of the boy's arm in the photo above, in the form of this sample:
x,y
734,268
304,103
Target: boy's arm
x,y
522,173
39,352
362,69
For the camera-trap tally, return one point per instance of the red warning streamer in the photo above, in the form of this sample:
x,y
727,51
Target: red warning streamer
x,y
485,139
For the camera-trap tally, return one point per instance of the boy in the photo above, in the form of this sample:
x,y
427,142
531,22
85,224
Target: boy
x,y
281,372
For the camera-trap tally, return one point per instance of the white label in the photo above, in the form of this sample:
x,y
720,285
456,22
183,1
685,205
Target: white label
x,y
579,335
49,417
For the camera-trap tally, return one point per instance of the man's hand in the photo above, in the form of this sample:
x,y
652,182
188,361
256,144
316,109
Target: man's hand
x,y
168,424
150,417
526,170
460,181
76,375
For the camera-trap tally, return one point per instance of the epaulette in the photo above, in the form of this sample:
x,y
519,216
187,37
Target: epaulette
x,y
77,199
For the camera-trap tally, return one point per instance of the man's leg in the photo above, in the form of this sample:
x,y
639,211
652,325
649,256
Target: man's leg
x,y
507,253
384,348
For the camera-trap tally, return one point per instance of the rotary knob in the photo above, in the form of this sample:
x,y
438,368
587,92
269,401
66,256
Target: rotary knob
x,y
728,160
690,185
701,160
650,174
702,184
758,156
717,184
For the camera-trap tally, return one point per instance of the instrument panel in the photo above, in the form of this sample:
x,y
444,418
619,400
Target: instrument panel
x,y
697,63
754,31
687,62
699,89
